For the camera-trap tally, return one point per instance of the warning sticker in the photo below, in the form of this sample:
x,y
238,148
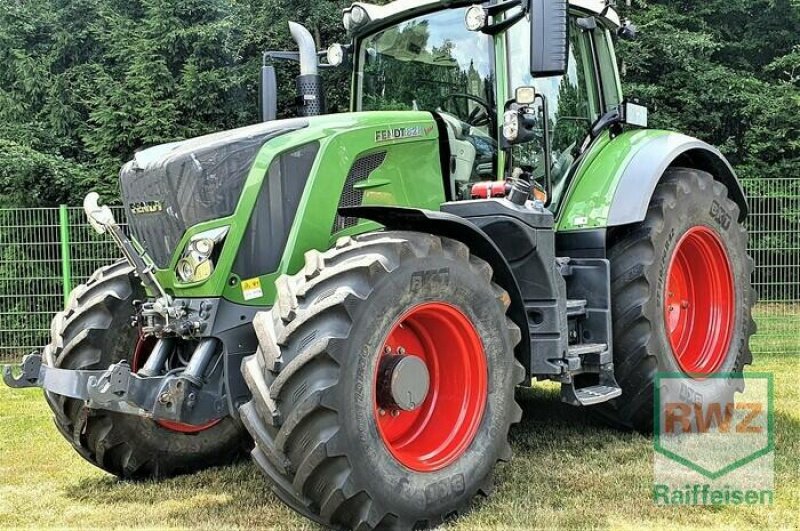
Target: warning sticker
x,y
251,289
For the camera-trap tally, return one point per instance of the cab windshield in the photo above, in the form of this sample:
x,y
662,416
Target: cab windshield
x,y
429,63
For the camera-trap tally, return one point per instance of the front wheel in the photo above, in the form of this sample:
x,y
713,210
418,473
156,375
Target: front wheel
x,y
383,389
94,332
681,296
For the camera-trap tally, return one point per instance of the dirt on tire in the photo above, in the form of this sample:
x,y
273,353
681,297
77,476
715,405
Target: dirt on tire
x,y
93,332
312,410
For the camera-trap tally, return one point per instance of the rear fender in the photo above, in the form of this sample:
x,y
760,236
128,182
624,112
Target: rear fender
x,y
616,186
457,228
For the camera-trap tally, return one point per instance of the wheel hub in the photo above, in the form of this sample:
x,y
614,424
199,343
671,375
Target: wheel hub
x,y
403,383
699,302
431,386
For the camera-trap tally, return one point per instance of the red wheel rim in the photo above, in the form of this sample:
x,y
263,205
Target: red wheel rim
x,y
441,429
699,302
144,346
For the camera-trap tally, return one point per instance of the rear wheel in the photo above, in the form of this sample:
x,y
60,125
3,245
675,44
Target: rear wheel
x,y
383,388
94,332
681,296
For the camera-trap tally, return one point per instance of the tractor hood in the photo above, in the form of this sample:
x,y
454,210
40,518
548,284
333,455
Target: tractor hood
x,y
168,188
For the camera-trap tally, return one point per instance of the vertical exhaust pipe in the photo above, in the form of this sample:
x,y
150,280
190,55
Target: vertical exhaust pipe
x,y
310,96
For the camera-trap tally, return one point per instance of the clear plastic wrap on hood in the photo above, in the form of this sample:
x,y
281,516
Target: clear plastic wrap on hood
x,y
167,189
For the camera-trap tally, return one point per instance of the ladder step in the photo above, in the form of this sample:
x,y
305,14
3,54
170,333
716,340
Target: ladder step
x,y
587,348
576,307
589,396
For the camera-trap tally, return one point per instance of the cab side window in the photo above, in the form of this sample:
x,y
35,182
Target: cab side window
x,y
573,102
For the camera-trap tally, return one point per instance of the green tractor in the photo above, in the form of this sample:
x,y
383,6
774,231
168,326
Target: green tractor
x,y
355,297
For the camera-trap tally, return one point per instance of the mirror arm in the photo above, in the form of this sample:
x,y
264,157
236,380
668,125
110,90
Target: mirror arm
x,y
548,152
502,7
500,27
611,120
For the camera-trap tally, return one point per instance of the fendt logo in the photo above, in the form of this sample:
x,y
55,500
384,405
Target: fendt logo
x,y
714,440
146,207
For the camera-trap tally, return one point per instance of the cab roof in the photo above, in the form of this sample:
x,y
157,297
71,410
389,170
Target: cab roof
x,y
402,9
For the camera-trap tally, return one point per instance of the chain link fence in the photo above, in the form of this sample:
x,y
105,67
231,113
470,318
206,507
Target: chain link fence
x,y
45,252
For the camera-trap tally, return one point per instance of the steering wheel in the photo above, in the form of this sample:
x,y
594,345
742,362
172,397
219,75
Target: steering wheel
x,y
479,116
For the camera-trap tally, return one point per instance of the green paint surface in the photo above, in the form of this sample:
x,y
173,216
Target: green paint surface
x,y
409,176
589,197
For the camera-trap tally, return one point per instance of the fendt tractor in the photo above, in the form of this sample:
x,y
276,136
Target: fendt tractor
x,y
355,297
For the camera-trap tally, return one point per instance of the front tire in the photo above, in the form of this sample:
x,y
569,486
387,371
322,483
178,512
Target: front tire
x,y
334,447
681,296
94,332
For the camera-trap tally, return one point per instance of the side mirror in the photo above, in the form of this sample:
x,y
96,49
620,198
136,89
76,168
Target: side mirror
x,y
549,37
269,93
628,31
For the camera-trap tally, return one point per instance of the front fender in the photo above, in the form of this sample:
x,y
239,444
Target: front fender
x,y
616,185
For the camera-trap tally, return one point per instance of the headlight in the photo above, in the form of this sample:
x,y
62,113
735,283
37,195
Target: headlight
x,y
204,246
197,263
511,125
186,270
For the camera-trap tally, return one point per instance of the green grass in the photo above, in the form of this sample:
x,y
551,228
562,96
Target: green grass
x,y
568,471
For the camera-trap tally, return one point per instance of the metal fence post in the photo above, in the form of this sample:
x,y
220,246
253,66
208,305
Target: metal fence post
x,y
66,263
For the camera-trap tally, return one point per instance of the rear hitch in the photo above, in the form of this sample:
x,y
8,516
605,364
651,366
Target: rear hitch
x,y
171,397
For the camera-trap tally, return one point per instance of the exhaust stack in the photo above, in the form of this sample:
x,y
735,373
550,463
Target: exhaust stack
x,y
310,96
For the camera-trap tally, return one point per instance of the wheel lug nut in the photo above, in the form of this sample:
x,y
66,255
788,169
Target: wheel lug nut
x,y
387,349
401,351
382,412
395,412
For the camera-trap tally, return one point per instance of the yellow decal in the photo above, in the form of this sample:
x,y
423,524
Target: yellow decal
x,y
251,289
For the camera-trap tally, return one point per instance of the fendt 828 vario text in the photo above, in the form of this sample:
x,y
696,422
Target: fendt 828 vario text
x,y
356,296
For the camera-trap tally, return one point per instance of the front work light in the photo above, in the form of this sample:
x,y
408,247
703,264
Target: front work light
x,y
354,17
476,18
336,54
197,263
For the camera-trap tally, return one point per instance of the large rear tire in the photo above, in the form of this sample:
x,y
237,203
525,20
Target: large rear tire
x,y
681,296
94,332
335,448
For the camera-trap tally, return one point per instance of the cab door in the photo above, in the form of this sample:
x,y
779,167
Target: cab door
x,y
575,100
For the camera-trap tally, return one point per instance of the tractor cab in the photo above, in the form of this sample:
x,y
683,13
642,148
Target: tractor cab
x,y
464,63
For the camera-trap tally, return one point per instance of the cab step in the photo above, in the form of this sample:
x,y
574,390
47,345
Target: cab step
x,y
576,308
596,394
587,356
587,348
591,395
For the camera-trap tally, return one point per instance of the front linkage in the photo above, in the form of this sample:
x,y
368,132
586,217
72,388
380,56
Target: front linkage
x,y
171,397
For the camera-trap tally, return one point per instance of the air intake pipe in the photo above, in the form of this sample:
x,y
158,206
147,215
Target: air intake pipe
x,y
310,96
